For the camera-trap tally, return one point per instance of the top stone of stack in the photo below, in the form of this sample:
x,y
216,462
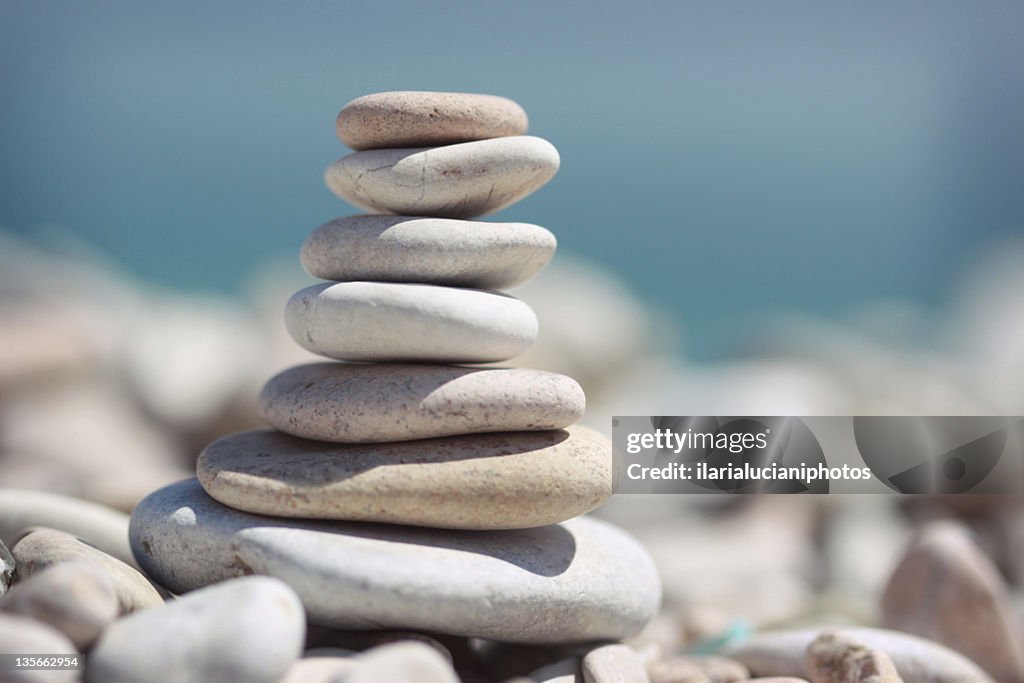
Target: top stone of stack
x,y
443,155
422,119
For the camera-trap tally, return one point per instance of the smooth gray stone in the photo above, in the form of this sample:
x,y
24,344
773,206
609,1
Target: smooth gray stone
x,y
580,580
434,251
420,118
391,321
22,635
250,629
487,481
103,527
48,547
76,598
917,660
456,181
384,402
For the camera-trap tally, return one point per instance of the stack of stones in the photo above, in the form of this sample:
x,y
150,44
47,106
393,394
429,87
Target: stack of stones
x,y
401,488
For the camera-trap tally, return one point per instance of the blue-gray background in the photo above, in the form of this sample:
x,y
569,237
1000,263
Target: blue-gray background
x,y
725,158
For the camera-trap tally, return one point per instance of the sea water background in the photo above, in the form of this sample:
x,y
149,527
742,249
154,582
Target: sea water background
x,y
730,161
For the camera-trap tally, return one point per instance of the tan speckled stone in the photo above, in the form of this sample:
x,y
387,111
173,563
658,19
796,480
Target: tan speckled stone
x,y
421,119
838,658
458,181
46,547
389,321
438,251
488,481
355,403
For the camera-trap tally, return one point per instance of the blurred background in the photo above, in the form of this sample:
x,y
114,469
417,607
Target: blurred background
x,y
770,208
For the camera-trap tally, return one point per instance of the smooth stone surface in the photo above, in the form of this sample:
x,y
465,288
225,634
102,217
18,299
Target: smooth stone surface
x,y
47,547
102,527
917,660
613,664
697,669
437,251
6,568
676,670
837,658
946,589
353,403
76,598
457,181
390,321
487,481
425,119
406,662
333,640
21,635
580,580
249,629
318,670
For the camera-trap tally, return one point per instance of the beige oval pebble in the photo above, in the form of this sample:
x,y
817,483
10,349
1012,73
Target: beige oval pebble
x,y
46,547
356,403
387,321
103,527
458,181
425,119
76,598
486,481
438,251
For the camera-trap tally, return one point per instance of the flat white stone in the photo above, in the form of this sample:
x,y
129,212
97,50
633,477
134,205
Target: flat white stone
x,y
487,481
456,181
360,403
388,321
917,660
580,580
250,629
438,251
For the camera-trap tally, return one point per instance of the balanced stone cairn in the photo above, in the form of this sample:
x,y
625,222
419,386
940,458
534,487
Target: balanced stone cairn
x,y
401,488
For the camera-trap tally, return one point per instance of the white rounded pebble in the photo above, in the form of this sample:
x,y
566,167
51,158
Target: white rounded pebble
x,y
456,181
249,629
437,251
387,321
